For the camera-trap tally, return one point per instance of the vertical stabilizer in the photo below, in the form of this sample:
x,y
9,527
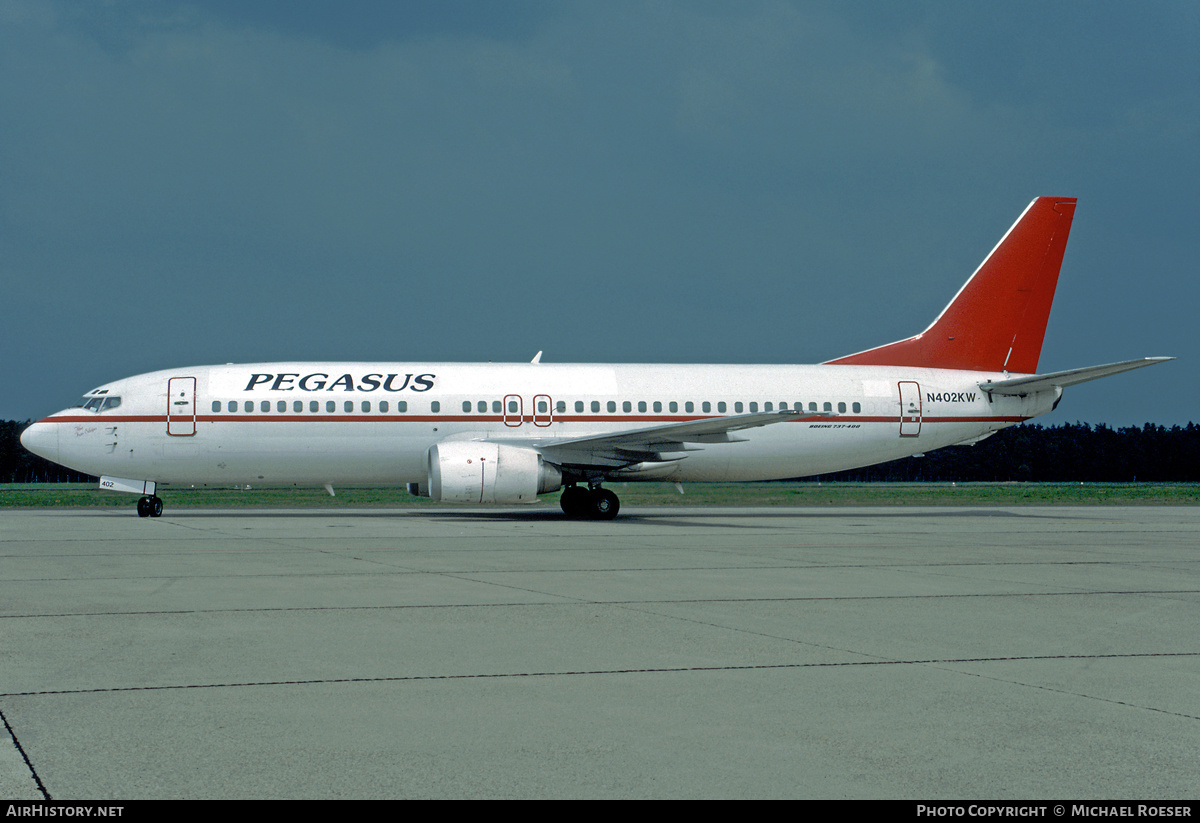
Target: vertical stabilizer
x,y
997,321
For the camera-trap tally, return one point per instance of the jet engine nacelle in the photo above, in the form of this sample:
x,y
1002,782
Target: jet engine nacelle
x,y
481,472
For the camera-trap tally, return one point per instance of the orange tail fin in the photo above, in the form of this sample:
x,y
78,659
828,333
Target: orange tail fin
x,y
997,321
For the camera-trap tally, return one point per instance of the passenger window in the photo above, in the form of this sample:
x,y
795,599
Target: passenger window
x,y
560,406
658,405
265,405
330,406
298,406
595,405
366,405
626,406
768,407
401,405
281,406
496,406
435,406
673,406
216,405
857,407
383,406
754,407
842,407
641,405
481,406
542,407
689,406
706,407
828,407
737,407
578,405
721,407
466,405
812,406
512,406
312,405
611,405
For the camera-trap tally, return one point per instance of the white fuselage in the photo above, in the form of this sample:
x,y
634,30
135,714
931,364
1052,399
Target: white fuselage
x,y
374,423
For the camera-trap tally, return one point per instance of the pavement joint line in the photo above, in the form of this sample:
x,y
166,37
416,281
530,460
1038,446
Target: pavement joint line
x,y
20,750
569,601
644,670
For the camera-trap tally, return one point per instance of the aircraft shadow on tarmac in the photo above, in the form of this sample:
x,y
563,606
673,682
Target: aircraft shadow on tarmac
x,y
667,516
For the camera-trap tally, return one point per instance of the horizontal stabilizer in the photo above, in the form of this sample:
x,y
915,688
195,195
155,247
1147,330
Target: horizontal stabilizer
x,y
1062,379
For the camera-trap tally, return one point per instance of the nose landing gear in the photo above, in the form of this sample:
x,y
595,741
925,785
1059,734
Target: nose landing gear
x,y
589,504
150,507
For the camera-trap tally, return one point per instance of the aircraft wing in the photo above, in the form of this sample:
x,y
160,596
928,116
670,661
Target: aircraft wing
x,y
1062,379
624,448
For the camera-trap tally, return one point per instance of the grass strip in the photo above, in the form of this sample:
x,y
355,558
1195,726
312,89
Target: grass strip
x,y
782,493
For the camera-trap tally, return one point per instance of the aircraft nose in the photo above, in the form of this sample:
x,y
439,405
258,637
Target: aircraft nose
x,y
42,440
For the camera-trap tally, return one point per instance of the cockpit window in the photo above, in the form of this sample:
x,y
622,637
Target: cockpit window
x,y
97,404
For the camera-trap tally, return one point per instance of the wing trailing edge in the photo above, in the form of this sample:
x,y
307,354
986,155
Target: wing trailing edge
x,y
625,448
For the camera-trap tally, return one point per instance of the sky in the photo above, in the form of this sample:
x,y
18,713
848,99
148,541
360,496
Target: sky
x,y
185,183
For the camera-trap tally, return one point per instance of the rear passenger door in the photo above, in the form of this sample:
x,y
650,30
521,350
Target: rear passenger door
x,y
910,408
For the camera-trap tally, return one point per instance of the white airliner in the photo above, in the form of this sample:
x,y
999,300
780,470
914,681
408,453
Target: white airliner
x,y
505,433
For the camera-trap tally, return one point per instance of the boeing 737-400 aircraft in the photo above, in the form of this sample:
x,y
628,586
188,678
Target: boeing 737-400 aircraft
x,y
505,433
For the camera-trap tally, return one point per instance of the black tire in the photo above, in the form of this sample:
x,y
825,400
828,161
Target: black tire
x,y
605,504
143,507
575,501
156,507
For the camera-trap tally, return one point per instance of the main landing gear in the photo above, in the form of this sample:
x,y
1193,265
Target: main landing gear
x,y
149,507
589,504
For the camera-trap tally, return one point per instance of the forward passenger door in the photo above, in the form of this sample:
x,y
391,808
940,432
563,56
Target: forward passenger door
x,y
181,406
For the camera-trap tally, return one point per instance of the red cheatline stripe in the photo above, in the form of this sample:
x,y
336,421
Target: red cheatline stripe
x,y
468,418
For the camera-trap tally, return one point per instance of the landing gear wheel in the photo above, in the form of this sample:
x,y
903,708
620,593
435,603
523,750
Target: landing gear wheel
x,y
575,501
605,504
150,507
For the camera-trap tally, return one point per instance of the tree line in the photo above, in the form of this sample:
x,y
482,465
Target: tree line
x,y
20,466
1071,452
